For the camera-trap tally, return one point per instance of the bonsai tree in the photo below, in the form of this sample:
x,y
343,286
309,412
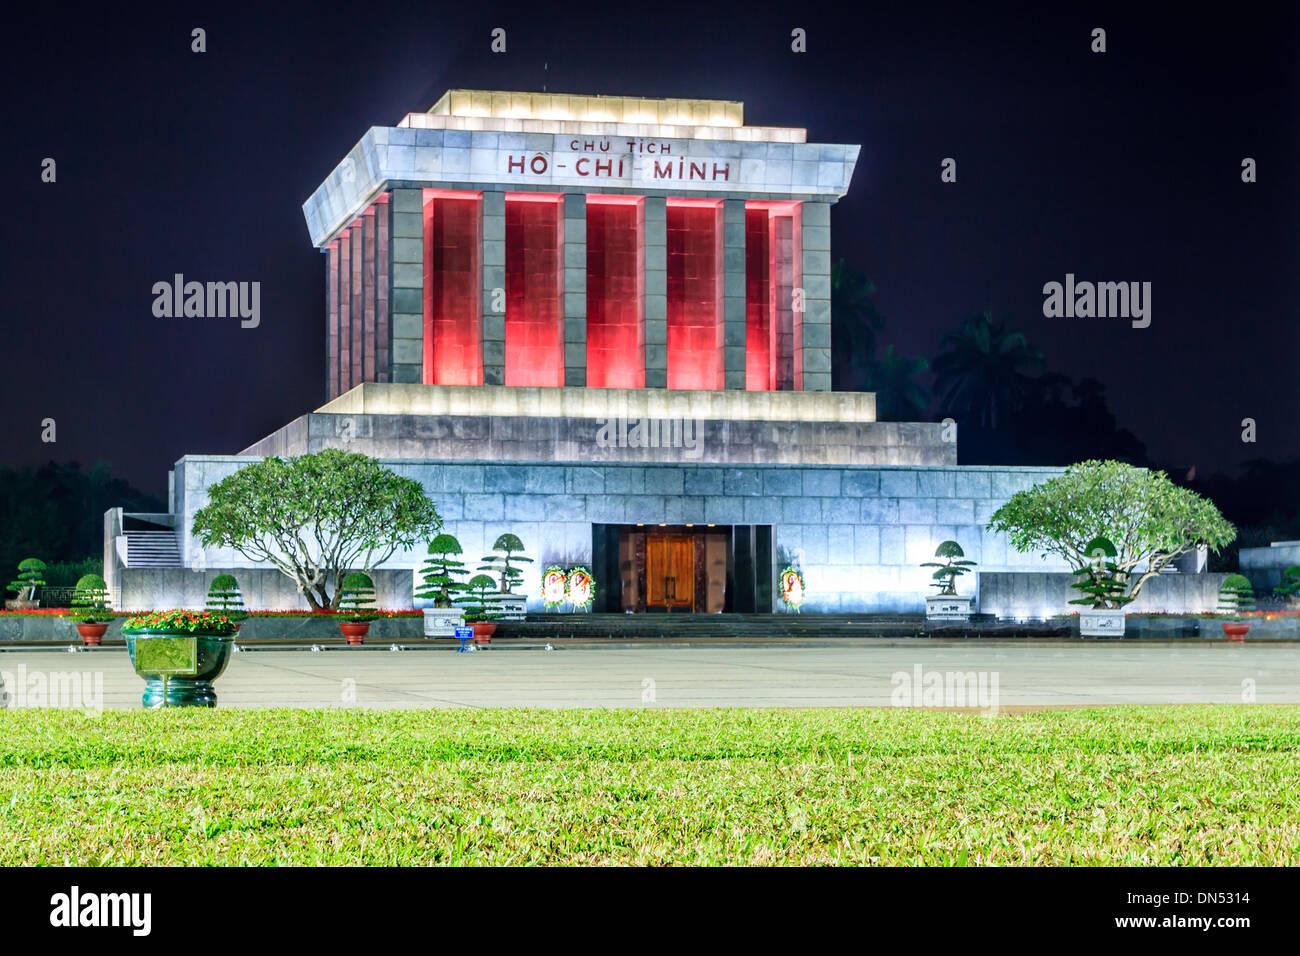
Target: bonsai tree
x,y
31,575
1100,580
948,570
478,599
509,549
1290,586
1150,520
440,572
225,598
90,600
357,596
1236,596
314,516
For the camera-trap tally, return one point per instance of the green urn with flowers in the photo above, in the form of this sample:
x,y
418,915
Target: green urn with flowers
x,y
179,654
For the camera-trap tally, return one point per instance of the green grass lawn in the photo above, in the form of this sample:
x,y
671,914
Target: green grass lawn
x,y
1203,785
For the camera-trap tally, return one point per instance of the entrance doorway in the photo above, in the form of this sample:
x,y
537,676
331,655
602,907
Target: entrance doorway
x,y
692,568
670,571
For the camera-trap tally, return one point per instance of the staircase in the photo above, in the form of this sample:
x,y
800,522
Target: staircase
x,y
152,549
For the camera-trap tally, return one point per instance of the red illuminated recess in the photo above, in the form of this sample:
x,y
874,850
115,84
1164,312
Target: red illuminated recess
x,y
534,289
615,283
695,293
773,271
758,311
453,350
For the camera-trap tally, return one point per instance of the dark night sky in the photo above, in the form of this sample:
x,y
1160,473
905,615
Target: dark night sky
x,y
1122,166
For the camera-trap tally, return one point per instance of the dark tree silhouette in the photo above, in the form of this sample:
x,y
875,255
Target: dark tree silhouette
x,y
982,376
855,322
56,512
899,398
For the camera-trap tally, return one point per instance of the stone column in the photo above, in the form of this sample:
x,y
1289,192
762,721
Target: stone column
x,y
406,293
575,289
814,348
655,244
733,292
494,287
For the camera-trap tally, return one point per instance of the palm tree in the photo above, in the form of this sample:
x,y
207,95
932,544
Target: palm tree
x,y
898,397
982,374
855,320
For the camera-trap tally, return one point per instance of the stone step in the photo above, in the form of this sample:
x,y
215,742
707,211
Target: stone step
x,y
152,549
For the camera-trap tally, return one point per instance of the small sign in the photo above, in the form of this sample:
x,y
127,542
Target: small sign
x,y
464,633
167,655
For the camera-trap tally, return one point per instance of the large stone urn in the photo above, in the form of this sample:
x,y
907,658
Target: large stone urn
x,y
178,667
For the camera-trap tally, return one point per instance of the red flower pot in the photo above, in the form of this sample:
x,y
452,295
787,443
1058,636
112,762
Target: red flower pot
x,y
354,632
483,631
91,634
1235,630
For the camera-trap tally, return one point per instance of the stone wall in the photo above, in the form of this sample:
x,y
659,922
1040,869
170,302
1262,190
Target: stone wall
x,y
528,438
859,533
1041,595
1264,566
146,589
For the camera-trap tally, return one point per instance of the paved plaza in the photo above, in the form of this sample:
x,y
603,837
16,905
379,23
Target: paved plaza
x,y
844,673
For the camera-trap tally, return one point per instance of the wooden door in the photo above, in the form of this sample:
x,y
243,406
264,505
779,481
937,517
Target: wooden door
x,y
670,570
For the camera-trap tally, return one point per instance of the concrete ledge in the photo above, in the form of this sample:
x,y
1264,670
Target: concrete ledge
x,y
147,589
380,398
50,630
1041,594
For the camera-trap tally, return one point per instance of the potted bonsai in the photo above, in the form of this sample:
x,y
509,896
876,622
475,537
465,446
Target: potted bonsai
x,y
508,551
1289,589
439,574
1104,588
479,603
179,654
356,596
1236,597
224,597
31,573
90,609
946,605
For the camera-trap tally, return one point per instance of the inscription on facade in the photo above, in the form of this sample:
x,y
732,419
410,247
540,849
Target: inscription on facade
x,y
637,159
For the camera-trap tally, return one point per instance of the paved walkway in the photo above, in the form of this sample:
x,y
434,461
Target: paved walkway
x,y
842,673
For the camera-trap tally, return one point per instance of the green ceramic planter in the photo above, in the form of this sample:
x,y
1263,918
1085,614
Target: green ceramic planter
x,y
183,690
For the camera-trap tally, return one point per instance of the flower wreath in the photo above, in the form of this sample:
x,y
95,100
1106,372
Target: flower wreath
x,y
582,590
554,584
792,587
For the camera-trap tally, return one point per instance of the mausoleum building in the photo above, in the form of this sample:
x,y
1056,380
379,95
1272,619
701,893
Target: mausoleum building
x,y
603,324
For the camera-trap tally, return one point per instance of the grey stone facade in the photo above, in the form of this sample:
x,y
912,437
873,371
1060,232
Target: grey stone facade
x,y
814,345
733,292
530,438
142,589
1033,596
575,290
1264,566
407,292
375,278
494,285
860,534
656,294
